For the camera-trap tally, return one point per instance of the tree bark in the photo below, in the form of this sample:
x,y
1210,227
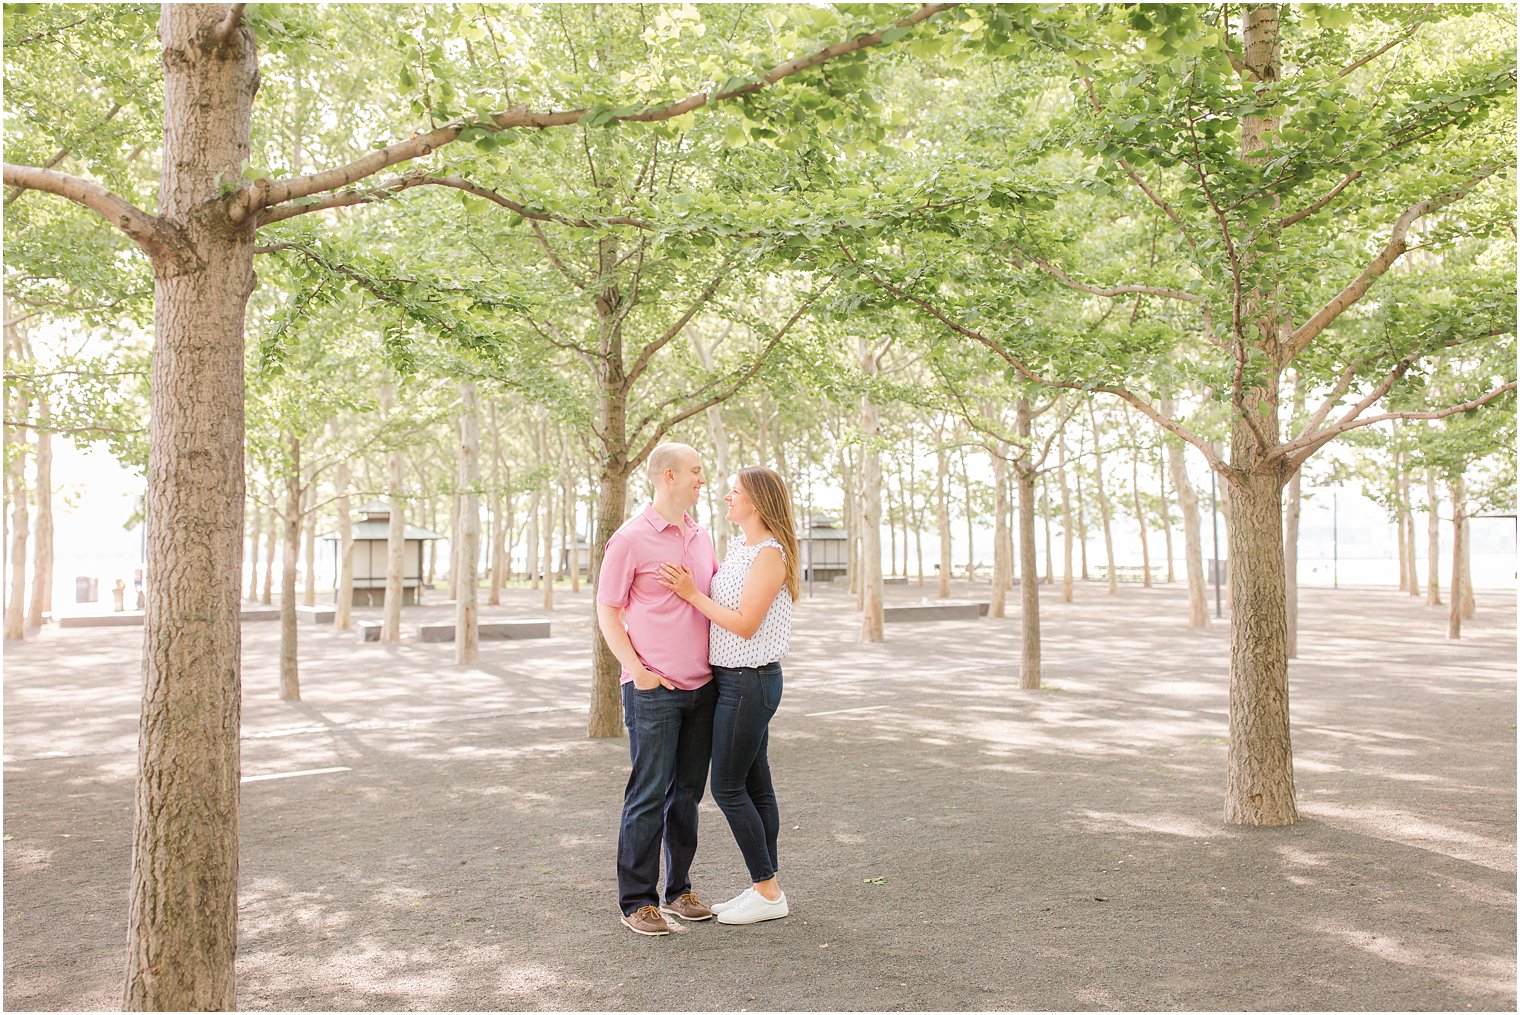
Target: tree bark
x,y
870,502
266,596
1029,586
606,718
182,917
467,553
1433,530
1104,508
255,529
395,538
42,546
343,591
1000,561
1067,529
1458,555
1192,535
290,678
15,603
942,512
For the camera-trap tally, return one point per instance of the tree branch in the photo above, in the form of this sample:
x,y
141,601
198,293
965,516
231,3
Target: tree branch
x,y
1391,252
1123,290
1306,446
230,23
265,193
648,352
148,232
60,155
1415,27
1334,192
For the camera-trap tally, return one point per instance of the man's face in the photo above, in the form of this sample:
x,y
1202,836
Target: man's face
x,y
688,482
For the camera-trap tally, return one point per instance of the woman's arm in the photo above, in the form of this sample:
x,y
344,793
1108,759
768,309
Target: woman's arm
x,y
766,576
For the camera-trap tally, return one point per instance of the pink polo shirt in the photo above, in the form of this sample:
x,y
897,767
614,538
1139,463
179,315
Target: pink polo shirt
x,y
668,633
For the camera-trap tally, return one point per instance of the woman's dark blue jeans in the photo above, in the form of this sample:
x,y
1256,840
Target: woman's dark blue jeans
x,y
741,774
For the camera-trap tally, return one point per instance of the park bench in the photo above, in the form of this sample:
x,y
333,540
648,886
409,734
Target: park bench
x,y
134,618
944,609
316,614
490,630
369,630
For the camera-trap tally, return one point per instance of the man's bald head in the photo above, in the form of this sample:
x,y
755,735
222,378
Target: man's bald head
x,y
678,458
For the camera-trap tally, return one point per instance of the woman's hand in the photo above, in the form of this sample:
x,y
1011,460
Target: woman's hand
x,y
678,579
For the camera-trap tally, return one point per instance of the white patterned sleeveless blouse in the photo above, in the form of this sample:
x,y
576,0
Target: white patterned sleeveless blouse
x,y
771,641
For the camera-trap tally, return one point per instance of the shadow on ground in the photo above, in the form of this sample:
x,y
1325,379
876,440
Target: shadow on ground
x,y
949,841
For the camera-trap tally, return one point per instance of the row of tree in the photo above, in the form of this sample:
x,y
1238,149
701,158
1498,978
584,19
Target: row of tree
x,y
1258,229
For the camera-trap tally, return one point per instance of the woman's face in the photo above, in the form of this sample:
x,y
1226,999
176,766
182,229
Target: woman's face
x,y
740,507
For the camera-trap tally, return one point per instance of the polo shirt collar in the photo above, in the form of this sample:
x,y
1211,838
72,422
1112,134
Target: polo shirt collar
x,y
658,522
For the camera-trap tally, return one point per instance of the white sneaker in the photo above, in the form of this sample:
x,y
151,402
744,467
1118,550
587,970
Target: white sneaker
x,y
755,909
718,907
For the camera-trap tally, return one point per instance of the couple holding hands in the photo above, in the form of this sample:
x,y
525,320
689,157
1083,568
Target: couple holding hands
x,y
700,645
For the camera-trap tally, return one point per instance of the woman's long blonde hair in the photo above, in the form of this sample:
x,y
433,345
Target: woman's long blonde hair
x,y
767,491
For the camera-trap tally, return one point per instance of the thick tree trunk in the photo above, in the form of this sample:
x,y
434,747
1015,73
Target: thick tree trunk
x,y
1000,561
1029,586
1433,530
606,718
1260,790
467,553
1458,555
1067,529
942,519
1104,508
343,591
42,546
290,678
182,917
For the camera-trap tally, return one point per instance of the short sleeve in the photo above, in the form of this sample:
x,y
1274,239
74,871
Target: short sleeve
x,y
615,582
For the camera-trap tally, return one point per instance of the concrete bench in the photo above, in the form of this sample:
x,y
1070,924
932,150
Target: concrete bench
x,y
490,630
944,609
261,613
134,618
895,580
369,630
316,614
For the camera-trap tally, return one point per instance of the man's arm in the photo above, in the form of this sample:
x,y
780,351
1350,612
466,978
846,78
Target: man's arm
x,y
610,620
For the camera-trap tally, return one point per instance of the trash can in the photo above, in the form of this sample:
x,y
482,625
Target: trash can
x,y
86,590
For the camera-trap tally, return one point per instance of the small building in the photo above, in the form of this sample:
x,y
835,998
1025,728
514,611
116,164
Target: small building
x,y
371,536
825,550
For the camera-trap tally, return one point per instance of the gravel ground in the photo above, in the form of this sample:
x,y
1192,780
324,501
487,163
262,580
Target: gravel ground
x,y
949,841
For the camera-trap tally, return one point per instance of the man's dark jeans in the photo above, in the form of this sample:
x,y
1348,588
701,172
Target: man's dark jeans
x,y
670,741
741,773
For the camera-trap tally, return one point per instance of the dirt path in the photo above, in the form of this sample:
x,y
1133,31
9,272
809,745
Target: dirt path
x,y
949,842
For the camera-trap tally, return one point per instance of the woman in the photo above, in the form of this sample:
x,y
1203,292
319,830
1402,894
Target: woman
x,y
751,612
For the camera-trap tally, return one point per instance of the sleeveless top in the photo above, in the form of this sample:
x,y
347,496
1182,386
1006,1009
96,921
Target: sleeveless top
x,y
771,641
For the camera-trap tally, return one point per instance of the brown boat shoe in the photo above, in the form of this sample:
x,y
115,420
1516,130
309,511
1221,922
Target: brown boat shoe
x,y
688,907
646,920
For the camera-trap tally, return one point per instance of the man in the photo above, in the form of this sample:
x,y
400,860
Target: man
x,y
668,693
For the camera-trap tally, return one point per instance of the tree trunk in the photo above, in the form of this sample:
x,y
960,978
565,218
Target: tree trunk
x,y
42,546
1029,586
1050,578
395,542
1103,506
1409,539
1145,542
942,511
1432,562
1469,604
1458,555
1290,564
467,554
15,603
970,521
182,922
266,597
1000,561
1166,517
606,719
1067,533
1192,535
343,590
255,528
1081,525
870,503
290,679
